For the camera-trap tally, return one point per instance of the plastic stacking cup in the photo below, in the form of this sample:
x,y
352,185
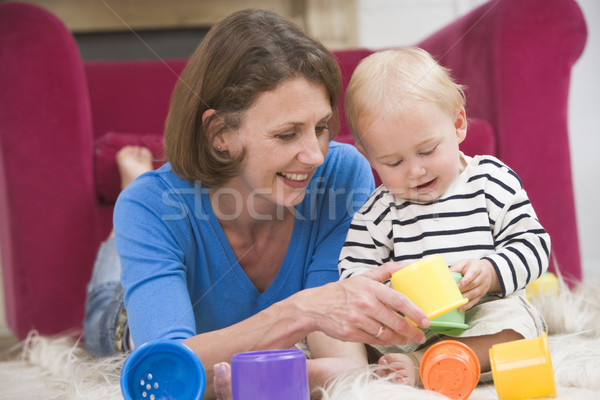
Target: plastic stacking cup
x,y
451,323
522,369
430,285
270,375
450,368
546,285
163,369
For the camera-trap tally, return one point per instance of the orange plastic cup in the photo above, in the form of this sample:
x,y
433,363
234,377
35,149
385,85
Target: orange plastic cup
x,y
522,369
450,368
430,285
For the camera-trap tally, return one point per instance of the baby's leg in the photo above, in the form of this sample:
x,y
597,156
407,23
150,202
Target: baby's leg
x,y
133,161
482,344
331,358
404,368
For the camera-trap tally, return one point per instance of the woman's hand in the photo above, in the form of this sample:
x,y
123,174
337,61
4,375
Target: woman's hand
x,y
362,309
479,278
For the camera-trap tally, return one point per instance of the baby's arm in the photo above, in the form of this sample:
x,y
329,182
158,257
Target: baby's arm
x,y
522,246
479,278
332,358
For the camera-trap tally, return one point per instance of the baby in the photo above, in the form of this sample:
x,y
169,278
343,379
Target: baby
x,y
408,118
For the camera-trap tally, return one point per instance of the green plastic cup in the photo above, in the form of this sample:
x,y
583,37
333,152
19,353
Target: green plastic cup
x,y
451,323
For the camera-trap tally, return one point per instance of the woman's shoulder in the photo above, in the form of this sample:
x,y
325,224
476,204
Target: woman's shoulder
x,y
344,151
345,158
154,184
345,167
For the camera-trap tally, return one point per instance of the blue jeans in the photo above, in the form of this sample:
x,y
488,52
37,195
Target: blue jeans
x,y
105,330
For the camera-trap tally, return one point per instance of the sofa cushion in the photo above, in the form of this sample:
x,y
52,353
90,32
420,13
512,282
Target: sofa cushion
x,y
106,172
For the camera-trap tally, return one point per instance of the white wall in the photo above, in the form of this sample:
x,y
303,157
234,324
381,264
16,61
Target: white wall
x,y
388,23
584,108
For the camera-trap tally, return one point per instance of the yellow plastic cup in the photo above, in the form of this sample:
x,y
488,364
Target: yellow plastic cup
x,y
522,369
430,285
451,323
546,285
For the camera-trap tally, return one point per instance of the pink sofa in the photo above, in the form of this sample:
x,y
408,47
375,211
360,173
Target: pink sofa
x,y
62,120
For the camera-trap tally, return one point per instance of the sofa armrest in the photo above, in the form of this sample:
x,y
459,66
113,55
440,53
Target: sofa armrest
x,y
47,195
515,56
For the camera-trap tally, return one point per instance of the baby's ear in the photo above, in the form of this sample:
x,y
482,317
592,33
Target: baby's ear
x,y
460,124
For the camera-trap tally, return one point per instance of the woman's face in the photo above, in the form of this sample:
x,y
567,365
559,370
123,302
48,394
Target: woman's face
x,y
286,136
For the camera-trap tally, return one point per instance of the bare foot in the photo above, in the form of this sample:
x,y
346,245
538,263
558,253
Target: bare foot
x,y
222,381
133,161
403,368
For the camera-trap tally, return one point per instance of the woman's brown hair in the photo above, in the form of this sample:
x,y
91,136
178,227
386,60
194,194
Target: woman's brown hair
x,y
246,54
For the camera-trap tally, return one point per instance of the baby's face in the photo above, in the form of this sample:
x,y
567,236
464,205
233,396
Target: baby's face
x,y
415,149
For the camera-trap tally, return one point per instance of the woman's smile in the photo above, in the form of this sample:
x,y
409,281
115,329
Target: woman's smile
x,y
295,180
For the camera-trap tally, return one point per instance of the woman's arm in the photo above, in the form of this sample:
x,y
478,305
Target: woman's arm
x,y
351,310
277,327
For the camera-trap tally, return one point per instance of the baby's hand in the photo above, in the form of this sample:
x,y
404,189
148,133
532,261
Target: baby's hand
x,y
478,278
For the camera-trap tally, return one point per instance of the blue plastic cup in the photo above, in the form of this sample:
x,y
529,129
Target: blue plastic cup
x,y
270,375
163,369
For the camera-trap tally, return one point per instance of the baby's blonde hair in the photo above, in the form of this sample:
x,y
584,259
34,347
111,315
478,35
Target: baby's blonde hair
x,y
385,80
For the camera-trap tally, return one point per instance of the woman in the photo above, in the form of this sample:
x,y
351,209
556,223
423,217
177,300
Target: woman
x,y
232,246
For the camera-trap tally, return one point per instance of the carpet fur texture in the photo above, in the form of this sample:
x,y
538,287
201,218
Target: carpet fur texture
x,y
60,368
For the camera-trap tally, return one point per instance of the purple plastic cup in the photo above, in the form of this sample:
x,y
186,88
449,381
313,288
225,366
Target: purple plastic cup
x,y
270,375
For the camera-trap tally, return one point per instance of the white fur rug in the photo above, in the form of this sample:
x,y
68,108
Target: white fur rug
x,y
59,367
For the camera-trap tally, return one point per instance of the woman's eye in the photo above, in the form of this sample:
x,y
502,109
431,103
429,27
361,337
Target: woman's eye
x,y
286,137
321,129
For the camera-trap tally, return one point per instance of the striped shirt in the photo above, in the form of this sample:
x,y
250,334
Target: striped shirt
x,y
485,213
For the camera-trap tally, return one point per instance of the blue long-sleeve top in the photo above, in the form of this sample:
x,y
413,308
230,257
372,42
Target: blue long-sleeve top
x,y
180,274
